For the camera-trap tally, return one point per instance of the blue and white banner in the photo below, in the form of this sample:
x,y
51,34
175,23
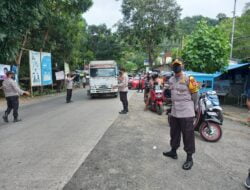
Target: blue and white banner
x,y
35,68
46,69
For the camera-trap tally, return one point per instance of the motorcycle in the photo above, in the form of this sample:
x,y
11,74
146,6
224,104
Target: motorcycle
x,y
209,117
156,99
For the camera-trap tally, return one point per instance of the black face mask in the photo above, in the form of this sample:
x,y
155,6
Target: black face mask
x,y
177,69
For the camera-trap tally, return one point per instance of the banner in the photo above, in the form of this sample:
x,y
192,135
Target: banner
x,y
60,75
66,68
46,68
14,69
35,68
3,70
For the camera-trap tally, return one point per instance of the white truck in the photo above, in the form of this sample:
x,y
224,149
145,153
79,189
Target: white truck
x,y
103,78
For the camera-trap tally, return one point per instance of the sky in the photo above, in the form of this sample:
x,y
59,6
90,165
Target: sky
x,y
109,11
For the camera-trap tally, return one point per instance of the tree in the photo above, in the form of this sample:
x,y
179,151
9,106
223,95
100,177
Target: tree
x,y
17,19
187,25
147,22
207,49
241,49
29,24
221,17
104,44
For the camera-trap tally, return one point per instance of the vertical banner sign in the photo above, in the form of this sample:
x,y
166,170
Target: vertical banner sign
x,y
60,75
66,68
14,69
3,70
35,68
46,68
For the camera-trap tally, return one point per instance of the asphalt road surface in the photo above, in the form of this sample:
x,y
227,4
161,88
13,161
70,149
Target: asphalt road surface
x,y
53,140
129,157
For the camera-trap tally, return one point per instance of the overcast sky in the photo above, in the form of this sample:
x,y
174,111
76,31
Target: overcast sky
x,y
109,11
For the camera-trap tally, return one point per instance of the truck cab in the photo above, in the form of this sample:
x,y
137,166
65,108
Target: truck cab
x,y
103,78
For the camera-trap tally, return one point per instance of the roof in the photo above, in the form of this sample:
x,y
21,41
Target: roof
x,y
236,66
102,62
202,74
217,74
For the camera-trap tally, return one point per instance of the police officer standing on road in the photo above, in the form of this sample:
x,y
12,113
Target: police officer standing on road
x,y
182,115
12,93
123,90
69,85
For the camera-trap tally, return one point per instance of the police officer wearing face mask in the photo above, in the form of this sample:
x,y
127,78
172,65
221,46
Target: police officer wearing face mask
x,y
182,115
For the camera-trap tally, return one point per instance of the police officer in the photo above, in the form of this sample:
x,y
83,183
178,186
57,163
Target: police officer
x,y
12,93
182,115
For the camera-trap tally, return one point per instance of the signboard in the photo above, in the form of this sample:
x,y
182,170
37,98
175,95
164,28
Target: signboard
x,y
14,69
3,70
66,68
35,68
46,68
60,75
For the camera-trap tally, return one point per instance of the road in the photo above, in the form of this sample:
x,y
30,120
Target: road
x,y
53,140
129,157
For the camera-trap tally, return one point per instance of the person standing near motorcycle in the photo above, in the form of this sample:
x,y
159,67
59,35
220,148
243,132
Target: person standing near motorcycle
x,y
182,115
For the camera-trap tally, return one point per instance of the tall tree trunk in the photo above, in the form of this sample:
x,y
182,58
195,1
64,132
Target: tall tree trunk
x,y
19,56
150,59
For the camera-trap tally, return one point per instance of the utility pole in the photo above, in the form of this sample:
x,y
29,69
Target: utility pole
x,y
233,30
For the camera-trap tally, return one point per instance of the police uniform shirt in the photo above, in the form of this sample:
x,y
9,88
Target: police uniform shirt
x,y
182,104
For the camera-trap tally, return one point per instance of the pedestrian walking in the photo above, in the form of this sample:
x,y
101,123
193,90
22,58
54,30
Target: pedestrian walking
x,y
123,90
12,93
140,89
84,81
182,115
69,85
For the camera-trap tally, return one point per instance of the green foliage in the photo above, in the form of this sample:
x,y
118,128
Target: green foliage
x,y
132,60
103,44
187,25
147,22
206,50
16,19
241,48
50,25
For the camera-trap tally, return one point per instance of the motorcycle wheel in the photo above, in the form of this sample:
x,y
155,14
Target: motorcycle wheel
x,y
159,109
210,131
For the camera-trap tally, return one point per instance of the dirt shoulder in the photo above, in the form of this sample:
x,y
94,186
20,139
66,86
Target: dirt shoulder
x,y
129,157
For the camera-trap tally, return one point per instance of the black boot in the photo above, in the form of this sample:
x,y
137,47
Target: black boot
x,y
247,183
5,117
16,120
123,112
171,154
189,163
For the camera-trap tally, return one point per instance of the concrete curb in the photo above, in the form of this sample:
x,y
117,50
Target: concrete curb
x,y
230,117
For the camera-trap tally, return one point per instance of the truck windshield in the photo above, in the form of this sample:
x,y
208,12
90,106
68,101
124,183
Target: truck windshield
x,y
98,72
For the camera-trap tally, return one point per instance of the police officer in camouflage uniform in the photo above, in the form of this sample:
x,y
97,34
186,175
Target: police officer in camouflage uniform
x,y
182,115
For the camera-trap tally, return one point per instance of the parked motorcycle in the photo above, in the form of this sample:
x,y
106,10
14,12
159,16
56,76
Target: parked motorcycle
x,y
209,117
156,99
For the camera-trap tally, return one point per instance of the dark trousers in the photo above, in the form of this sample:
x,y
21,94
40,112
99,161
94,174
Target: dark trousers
x,y
69,95
124,100
12,103
184,126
